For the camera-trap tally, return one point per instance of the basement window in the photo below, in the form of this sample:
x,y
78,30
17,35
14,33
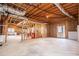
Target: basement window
x,y
60,28
11,31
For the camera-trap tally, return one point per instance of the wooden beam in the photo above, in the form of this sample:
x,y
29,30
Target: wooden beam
x,y
36,11
44,10
5,28
22,21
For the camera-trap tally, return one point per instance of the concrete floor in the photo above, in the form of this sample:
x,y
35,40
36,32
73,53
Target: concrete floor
x,y
40,47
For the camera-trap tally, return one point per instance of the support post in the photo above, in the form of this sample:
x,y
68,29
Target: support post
x,y
5,29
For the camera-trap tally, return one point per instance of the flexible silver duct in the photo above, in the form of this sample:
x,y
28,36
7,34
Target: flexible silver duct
x,y
63,11
13,13
4,8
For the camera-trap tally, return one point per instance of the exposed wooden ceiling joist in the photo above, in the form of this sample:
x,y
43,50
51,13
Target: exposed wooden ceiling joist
x,y
45,12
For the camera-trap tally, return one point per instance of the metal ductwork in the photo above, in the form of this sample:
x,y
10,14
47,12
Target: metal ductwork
x,y
5,8
63,11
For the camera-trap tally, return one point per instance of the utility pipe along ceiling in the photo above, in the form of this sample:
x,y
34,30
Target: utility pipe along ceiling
x,y
6,10
63,11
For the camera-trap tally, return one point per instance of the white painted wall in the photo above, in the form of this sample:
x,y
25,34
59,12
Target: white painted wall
x,y
78,31
72,35
2,37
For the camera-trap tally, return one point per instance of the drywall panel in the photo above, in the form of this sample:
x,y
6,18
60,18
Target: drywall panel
x,y
72,35
78,31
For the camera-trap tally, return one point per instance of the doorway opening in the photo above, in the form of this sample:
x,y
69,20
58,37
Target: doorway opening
x,y
61,31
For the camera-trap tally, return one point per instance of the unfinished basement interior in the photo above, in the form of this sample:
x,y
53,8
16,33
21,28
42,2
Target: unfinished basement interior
x,y
39,29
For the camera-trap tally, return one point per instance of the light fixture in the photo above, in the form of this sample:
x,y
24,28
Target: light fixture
x,y
49,15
